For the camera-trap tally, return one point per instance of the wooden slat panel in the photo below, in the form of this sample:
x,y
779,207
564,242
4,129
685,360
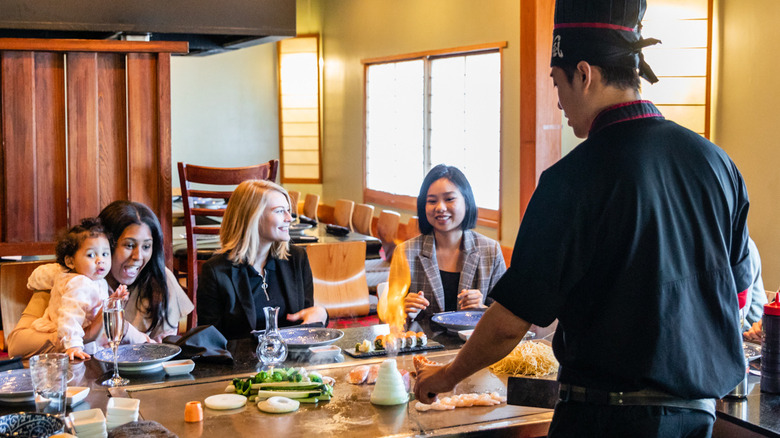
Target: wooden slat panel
x,y
143,138
163,207
112,127
50,165
83,150
19,215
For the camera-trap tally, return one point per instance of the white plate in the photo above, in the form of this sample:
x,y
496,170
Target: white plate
x,y
139,357
77,394
301,338
324,352
223,402
177,367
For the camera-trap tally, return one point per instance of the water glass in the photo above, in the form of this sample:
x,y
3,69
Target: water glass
x,y
50,383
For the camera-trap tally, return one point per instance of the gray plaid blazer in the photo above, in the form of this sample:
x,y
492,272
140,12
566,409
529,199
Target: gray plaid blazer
x,y
483,265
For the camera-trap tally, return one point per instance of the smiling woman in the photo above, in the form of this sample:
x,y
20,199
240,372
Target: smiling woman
x,y
256,266
156,302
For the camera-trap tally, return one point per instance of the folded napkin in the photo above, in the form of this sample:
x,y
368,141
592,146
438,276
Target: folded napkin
x,y
304,239
337,230
307,220
15,363
141,429
203,343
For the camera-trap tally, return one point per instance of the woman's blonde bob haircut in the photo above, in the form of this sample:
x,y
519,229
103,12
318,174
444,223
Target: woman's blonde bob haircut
x,y
240,230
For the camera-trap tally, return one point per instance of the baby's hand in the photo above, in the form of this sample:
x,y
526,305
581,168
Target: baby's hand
x,y
76,353
120,293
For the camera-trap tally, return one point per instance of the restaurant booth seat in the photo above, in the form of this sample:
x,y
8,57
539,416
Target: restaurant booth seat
x,y
15,298
225,178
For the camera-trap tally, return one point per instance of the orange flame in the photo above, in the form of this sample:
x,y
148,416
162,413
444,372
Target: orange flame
x,y
391,306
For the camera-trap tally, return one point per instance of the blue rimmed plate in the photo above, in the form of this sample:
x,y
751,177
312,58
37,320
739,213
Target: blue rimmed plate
x,y
139,357
301,338
460,320
16,386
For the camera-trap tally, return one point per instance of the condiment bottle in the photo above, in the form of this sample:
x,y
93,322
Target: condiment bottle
x,y
770,348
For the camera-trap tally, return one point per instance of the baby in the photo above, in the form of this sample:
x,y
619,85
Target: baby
x,y
77,296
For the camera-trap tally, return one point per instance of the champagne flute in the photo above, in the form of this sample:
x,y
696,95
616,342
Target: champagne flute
x,y
114,327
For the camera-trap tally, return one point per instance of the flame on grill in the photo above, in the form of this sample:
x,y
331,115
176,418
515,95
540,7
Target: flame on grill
x,y
391,306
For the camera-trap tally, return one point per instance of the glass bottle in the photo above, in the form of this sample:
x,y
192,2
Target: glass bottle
x,y
271,348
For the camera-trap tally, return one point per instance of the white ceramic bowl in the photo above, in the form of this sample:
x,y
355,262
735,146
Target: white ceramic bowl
x,y
77,394
122,406
177,367
89,419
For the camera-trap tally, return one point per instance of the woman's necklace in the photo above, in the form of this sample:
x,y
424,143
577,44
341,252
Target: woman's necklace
x,y
265,285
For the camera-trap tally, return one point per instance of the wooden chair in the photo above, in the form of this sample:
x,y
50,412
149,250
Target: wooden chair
x,y
362,217
14,295
412,228
294,197
215,176
340,278
310,204
387,230
342,215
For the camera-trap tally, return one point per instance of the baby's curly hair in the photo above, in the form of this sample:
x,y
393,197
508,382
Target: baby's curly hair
x,y
69,241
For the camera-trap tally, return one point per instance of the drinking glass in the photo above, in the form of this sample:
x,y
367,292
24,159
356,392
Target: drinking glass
x,y
49,373
114,327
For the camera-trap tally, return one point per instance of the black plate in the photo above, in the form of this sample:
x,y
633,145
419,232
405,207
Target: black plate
x,y
431,345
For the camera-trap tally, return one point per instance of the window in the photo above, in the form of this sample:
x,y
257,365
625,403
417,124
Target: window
x,y
299,106
432,108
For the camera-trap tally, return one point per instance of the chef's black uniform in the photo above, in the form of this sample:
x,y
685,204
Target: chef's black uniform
x,y
637,242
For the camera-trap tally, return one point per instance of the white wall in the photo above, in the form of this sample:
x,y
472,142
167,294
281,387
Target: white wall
x,y
224,109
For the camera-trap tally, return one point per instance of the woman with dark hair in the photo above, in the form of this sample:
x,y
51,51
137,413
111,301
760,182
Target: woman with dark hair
x,y
451,266
156,302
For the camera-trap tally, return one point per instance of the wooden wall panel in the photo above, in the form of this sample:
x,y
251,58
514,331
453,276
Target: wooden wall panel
x,y
18,209
117,121
83,153
50,147
112,127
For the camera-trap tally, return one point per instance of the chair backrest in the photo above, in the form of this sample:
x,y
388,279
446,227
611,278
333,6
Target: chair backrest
x,y
412,228
310,204
387,226
225,178
340,277
342,214
362,217
294,197
14,294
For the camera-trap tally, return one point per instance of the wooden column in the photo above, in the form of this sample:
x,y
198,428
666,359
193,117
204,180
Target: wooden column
x,y
540,118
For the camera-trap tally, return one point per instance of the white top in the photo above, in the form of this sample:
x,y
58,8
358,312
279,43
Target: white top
x,y
179,305
74,303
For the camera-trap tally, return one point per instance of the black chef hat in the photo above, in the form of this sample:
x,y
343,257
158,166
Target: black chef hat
x,y
601,32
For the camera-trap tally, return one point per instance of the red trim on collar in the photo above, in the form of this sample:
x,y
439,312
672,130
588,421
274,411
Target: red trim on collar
x,y
593,25
625,119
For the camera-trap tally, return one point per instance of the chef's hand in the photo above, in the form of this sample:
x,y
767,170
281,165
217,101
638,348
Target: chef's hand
x,y
310,315
414,303
470,299
755,334
432,380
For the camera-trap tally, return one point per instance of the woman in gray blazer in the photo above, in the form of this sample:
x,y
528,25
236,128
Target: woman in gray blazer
x,y
256,266
451,267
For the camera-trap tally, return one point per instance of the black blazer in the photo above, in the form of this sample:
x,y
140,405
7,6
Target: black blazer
x,y
225,298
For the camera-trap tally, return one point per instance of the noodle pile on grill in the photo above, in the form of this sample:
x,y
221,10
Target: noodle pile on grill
x,y
527,359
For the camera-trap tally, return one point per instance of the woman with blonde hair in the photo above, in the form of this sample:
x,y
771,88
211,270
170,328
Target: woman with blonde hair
x,y
256,266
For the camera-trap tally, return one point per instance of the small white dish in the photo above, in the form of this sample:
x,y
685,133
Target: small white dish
x,y
115,418
324,352
465,334
223,402
123,406
77,394
177,367
89,419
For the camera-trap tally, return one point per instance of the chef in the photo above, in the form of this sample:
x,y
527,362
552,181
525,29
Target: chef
x,y
636,241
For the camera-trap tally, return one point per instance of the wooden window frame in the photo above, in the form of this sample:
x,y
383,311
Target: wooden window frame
x,y
486,217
